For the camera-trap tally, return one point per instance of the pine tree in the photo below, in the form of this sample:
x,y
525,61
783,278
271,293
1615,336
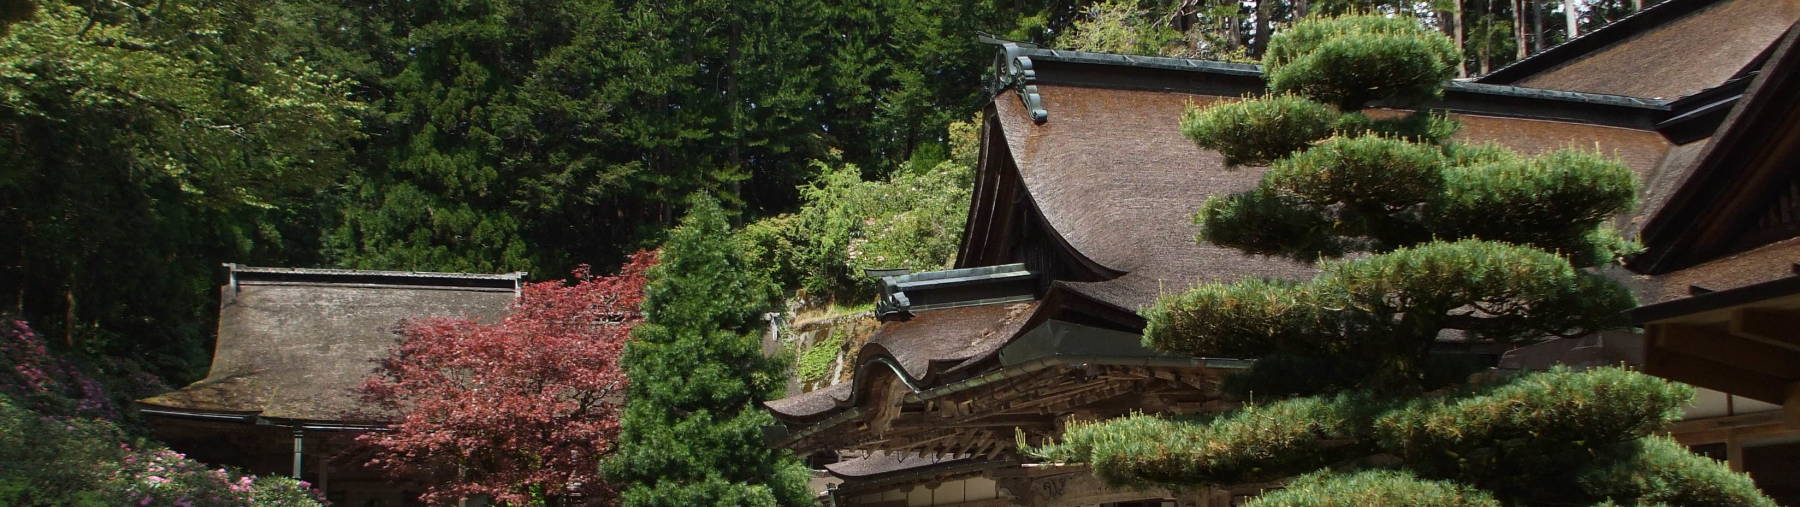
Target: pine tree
x,y
1449,239
691,432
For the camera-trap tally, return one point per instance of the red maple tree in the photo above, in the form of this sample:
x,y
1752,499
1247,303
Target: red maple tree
x,y
519,411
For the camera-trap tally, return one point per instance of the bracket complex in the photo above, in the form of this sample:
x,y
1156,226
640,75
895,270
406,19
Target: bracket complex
x,y
1012,70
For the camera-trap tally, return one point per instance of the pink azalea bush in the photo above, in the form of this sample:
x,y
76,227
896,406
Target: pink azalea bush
x,y
61,442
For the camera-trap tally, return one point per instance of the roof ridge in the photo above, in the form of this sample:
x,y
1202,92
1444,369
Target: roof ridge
x,y
1617,31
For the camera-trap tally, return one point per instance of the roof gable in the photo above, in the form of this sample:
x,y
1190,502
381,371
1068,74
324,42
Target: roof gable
x,y
1669,50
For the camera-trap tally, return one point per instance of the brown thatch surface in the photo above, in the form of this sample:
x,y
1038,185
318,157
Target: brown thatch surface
x,y
884,463
1661,182
295,350
1769,262
1679,58
925,345
1111,173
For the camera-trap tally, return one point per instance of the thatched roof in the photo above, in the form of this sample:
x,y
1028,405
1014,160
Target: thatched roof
x,y
1668,50
293,343
923,347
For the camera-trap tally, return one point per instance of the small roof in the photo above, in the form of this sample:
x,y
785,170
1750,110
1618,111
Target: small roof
x,y
293,343
1668,50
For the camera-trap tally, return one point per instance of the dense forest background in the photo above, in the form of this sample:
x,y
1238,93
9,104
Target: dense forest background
x,y
147,141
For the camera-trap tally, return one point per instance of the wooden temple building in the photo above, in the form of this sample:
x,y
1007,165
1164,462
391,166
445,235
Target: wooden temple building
x,y
293,344
1081,217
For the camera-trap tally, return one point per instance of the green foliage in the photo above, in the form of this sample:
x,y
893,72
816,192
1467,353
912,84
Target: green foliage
x,y
691,432
1554,201
1382,311
1529,439
1658,469
1255,131
1352,60
1430,127
814,361
1268,223
52,460
1367,173
1372,487
914,220
142,148
1121,26
1256,443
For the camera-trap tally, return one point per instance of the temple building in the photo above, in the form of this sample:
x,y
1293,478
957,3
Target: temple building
x,y
1082,212
293,345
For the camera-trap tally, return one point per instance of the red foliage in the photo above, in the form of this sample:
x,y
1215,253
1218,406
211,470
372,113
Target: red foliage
x,y
517,410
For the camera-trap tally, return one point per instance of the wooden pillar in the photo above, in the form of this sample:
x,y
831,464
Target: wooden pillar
x,y
1790,406
299,444
1734,451
324,473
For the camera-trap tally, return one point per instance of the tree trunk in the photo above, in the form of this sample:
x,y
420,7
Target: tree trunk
x,y
1572,11
1537,26
1300,9
1261,42
1519,29
1456,22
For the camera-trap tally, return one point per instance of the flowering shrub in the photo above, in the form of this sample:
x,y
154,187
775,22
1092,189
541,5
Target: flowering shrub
x,y
46,383
164,477
60,443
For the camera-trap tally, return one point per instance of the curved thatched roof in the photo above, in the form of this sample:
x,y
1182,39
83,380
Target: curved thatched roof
x,y
293,343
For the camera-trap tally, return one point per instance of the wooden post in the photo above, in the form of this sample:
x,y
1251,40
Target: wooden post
x,y
1790,407
1734,451
324,474
299,444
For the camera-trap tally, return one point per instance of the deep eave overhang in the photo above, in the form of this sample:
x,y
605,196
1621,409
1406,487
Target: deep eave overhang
x,y
256,419
1718,300
1747,159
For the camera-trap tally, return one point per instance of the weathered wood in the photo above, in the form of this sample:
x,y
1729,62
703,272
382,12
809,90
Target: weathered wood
x,y
1730,348
1779,328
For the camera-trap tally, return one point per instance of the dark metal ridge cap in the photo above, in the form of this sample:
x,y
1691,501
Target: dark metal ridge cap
x,y
1557,95
1780,287
1251,70
240,273
1147,62
1617,31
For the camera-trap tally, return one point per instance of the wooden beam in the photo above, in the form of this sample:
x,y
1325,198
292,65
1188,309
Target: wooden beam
x,y
1714,375
1733,349
1775,327
1791,406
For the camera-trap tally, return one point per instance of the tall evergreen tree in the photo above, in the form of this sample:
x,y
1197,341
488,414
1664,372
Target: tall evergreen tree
x,y
143,146
692,429
1476,242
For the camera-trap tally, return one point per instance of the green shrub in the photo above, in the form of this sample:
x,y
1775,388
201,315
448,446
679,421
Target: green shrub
x,y
1363,172
1255,131
814,362
1553,201
1420,126
1350,61
1372,487
1658,469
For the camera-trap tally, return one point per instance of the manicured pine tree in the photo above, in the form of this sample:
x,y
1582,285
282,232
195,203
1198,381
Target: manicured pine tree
x,y
1423,238
692,429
